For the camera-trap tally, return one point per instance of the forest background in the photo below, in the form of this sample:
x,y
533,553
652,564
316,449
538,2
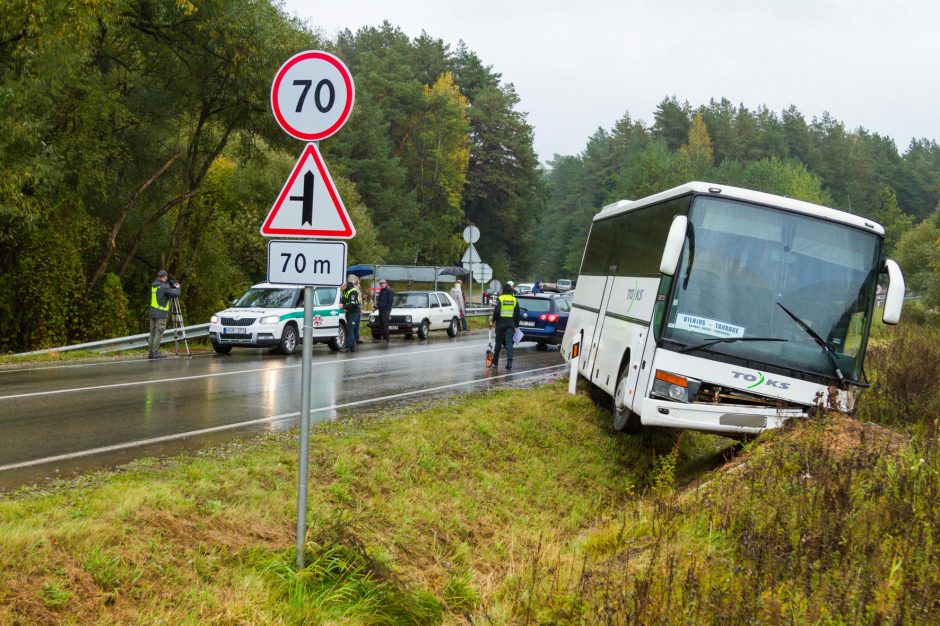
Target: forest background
x,y
137,135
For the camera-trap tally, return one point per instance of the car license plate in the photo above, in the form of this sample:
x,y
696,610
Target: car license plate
x,y
527,323
234,331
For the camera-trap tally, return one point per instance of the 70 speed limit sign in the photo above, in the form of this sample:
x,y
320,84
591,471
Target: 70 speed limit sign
x,y
312,95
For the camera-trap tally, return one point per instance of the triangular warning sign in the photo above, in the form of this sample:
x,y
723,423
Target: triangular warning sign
x,y
308,205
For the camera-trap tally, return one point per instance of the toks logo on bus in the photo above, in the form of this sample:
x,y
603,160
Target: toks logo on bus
x,y
634,295
760,380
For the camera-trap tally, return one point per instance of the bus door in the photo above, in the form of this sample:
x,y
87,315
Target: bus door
x,y
595,346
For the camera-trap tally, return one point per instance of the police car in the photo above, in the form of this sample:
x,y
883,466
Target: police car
x,y
271,316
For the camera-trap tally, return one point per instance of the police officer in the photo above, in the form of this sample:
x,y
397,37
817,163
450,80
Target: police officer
x,y
506,319
160,293
352,306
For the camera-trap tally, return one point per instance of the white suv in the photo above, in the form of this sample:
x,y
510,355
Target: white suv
x,y
419,312
271,316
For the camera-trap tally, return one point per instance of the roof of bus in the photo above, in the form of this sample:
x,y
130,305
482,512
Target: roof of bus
x,y
757,197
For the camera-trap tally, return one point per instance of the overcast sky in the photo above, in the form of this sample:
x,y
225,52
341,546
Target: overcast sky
x,y
578,65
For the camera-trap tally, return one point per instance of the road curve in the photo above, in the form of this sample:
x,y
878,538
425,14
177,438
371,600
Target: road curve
x,y
61,420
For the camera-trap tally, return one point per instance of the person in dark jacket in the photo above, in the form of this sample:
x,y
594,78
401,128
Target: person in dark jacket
x,y
506,318
160,293
537,287
384,304
351,305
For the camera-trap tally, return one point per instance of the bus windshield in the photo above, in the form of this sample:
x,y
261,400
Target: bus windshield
x,y
753,271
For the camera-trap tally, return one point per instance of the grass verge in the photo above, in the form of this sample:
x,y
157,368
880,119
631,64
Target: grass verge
x,y
419,519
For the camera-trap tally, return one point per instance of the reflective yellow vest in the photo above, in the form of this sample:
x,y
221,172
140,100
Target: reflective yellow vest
x,y
507,306
155,304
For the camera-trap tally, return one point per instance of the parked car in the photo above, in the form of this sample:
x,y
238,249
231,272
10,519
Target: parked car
x,y
544,317
564,284
271,316
419,312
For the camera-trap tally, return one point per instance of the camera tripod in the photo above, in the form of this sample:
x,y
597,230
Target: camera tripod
x,y
179,329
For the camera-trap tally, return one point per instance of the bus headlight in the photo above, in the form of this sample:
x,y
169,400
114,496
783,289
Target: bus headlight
x,y
271,319
674,387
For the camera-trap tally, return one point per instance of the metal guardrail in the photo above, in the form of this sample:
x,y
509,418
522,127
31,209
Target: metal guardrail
x,y
174,334
128,343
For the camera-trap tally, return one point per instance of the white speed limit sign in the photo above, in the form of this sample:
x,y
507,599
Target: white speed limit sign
x,y
312,95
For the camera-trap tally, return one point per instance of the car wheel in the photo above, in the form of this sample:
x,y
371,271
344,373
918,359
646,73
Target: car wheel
x,y
541,346
288,340
454,326
221,349
625,420
376,334
336,343
423,330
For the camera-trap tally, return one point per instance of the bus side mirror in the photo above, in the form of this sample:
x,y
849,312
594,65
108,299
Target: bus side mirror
x,y
673,248
895,297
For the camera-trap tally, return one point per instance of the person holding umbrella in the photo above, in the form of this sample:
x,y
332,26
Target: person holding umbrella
x,y
456,293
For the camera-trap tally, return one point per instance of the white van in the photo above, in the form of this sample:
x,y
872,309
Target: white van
x,y
271,316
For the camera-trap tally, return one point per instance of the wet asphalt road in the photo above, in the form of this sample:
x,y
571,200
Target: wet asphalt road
x,y
62,420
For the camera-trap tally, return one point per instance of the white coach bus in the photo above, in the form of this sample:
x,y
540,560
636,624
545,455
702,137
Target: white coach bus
x,y
726,310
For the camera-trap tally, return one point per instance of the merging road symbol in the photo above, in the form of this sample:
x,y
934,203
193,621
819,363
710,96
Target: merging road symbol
x,y
306,216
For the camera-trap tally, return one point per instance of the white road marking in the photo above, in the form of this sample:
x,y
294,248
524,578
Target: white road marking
x,y
50,392
262,420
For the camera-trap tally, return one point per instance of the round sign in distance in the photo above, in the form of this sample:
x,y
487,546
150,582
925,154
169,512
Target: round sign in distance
x,y
471,234
312,95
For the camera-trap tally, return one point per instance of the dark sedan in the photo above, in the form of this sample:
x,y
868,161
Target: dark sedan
x,y
544,317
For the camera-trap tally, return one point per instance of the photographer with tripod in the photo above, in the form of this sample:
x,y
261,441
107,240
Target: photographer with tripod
x,y
161,292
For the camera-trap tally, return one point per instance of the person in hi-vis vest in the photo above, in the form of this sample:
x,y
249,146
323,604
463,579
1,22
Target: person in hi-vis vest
x,y
160,293
506,319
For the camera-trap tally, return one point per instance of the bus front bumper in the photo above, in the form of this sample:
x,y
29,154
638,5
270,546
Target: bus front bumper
x,y
722,419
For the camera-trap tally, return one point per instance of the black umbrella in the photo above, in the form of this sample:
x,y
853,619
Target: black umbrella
x,y
361,270
453,270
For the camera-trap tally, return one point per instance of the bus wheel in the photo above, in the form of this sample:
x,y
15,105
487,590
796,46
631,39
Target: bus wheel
x,y
625,420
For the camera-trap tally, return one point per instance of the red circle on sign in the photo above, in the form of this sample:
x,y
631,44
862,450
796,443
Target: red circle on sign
x,y
344,114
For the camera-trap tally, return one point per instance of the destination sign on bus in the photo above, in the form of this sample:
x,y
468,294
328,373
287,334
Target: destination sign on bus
x,y
708,326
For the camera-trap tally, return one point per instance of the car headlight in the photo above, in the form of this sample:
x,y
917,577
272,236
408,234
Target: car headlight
x,y
214,319
372,319
408,318
674,387
270,319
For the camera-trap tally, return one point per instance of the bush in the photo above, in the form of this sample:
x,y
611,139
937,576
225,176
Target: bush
x,y
904,372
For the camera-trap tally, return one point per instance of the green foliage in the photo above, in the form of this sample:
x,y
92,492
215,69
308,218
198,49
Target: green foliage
x,y
918,253
143,130
905,368
339,584
110,315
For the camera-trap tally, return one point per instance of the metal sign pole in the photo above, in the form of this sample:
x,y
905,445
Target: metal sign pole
x,y
302,473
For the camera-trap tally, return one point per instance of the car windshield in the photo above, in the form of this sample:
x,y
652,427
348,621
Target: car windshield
x,y
410,301
741,260
268,298
535,305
